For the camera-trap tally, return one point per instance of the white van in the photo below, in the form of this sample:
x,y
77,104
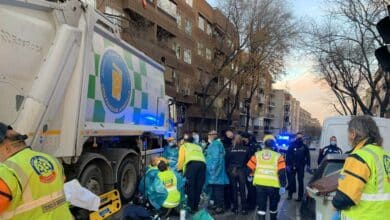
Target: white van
x,y
338,126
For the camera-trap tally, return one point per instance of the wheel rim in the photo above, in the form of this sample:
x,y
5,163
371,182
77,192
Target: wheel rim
x,y
94,186
126,186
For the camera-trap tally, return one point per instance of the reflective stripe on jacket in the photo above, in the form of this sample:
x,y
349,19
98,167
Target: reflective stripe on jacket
x,y
39,190
266,168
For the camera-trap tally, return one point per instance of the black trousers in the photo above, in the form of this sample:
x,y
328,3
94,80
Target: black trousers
x,y
195,175
237,177
251,196
217,194
263,194
227,196
292,186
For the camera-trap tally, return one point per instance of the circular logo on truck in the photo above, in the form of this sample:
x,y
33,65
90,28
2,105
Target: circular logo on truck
x,y
115,81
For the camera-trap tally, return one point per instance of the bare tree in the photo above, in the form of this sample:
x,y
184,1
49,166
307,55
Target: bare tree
x,y
264,30
344,46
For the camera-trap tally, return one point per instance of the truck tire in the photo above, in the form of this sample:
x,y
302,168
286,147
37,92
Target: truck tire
x,y
127,179
92,179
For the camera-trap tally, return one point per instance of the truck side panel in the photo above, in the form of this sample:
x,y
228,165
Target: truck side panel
x,y
126,90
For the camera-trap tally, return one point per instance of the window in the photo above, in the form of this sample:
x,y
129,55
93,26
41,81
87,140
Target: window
x,y
188,26
200,49
187,56
178,20
167,6
176,47
114,20
208,29
189,2
201,23
208,54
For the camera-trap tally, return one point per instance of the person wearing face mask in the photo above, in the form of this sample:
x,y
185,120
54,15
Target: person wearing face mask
x,y
216,176
195,136
171,153
297,157
31,183
363,190
330,149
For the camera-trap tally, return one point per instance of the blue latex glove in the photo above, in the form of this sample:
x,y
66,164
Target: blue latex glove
x,y
336,215
282,190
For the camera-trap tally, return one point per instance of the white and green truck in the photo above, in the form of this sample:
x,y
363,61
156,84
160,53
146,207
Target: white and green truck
x,y
80,92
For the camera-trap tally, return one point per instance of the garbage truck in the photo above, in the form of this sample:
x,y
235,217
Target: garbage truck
x,y
80,92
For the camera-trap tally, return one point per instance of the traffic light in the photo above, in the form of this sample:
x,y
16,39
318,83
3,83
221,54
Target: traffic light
x,y
383,53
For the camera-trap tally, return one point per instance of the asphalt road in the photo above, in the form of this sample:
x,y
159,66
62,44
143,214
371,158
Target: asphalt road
x,y
288,209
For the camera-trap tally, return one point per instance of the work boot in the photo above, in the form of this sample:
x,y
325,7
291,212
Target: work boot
x,y
273,216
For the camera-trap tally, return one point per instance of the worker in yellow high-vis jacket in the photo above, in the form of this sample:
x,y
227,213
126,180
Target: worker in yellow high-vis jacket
x,y
364,185
193,164
31,183
269,169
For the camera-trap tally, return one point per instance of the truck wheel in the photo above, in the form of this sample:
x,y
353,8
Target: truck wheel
x,y
92,179
127,179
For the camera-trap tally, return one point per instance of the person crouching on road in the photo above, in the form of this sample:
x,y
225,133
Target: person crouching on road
x,y
150,175
31,183
193,164
269,178
216,176
164,193
363,190
171,153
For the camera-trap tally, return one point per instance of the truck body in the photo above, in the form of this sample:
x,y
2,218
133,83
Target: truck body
x,y
81,93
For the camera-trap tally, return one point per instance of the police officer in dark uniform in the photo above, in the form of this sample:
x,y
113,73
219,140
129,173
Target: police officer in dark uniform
x,y
237,157
298,156
330,149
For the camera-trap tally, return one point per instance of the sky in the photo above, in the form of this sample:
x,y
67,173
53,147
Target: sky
x,y
301,80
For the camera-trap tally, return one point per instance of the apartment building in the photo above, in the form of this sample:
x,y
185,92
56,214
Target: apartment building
x,y
184,36
260,107
305,119
280,114
295,116
287,115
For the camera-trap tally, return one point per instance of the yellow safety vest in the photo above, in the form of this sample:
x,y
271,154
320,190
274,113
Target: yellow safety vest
x,y
266,172
37,190
168,178
375,200
193,152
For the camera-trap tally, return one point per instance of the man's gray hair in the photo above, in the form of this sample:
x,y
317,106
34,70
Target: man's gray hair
x,y
365,128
